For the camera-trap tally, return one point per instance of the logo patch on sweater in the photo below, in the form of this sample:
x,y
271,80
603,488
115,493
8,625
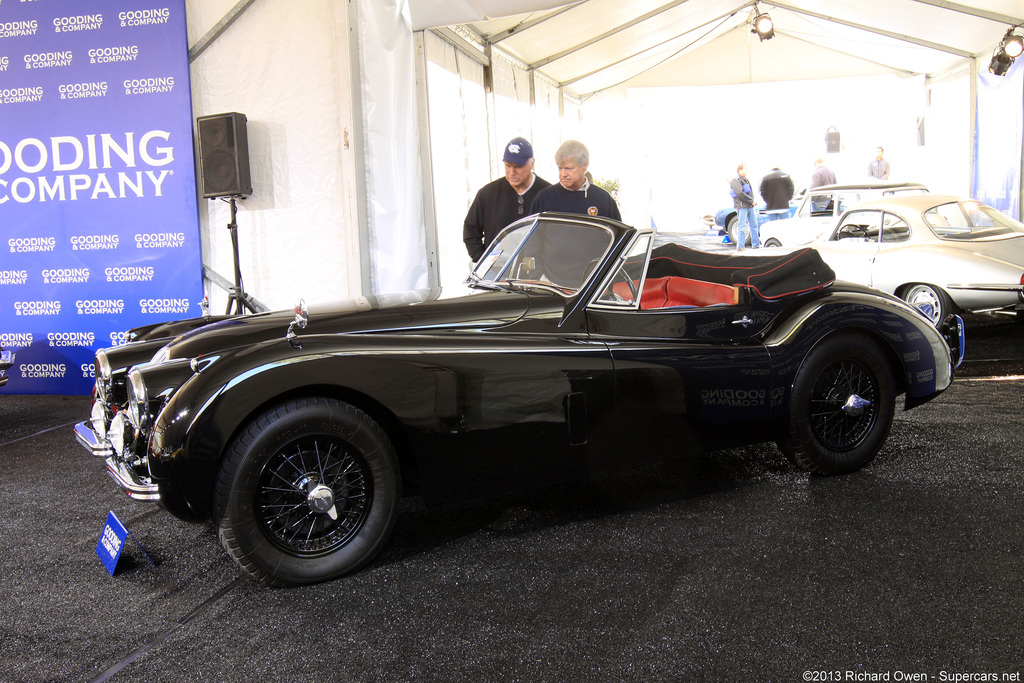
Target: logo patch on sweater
x,y
592,211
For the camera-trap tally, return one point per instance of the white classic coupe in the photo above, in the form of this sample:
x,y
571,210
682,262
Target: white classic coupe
x,y
941,253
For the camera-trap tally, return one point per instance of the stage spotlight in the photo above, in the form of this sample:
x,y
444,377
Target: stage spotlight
x,y
764,27
1013,45
1008,49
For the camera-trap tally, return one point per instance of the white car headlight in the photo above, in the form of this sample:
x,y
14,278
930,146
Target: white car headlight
x,y
103,373
118,434
138,399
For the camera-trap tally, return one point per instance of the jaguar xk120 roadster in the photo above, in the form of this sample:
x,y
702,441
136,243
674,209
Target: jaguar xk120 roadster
x,y
575,349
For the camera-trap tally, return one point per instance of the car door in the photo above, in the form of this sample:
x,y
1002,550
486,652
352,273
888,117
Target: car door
x,y
852,249
817,215
685,377
894,262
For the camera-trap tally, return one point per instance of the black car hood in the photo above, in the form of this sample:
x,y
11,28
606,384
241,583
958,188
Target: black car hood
x,y
418,311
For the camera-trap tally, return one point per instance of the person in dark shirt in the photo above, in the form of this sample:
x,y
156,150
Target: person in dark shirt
x,y
777,190
574,193
822,175
504,200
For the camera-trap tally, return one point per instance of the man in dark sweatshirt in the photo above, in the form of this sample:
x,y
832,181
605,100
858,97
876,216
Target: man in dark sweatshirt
x,y
574,193
776,190
504,200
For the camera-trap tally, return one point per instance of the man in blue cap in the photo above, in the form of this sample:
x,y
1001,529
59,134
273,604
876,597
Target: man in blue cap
x,y
504,200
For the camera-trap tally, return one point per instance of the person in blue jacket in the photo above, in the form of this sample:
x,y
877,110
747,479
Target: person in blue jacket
x,y
743,201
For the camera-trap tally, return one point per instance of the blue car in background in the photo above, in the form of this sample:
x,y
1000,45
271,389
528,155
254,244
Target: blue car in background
x,y
725,220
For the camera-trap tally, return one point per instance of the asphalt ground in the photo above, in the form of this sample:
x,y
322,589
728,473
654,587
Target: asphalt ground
x,y
732,567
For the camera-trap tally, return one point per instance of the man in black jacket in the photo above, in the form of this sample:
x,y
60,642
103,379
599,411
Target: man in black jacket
x,y
504,200
776,190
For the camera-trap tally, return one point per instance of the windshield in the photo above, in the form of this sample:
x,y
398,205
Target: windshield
x,y
964,221
552,254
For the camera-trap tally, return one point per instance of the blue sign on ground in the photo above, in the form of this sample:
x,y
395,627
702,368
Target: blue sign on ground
x,y
111,542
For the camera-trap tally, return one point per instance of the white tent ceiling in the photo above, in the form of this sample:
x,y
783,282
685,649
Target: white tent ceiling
x,y
595,45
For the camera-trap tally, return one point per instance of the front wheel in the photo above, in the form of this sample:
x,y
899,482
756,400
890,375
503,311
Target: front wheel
x,y
732,230
772,242
841,407
308,491
932,301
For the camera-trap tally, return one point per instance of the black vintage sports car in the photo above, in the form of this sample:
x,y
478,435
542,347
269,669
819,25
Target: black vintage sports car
x,y
578,349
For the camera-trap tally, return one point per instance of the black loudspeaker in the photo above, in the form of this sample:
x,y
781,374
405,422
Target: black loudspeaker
x,y
224,155
832,140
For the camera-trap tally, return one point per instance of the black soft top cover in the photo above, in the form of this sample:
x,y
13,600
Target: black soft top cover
x,y
770,277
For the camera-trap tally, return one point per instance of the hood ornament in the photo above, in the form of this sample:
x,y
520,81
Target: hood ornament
x,y
300,321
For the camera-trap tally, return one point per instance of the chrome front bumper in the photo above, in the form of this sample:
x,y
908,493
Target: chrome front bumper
x,y
93,442
132,484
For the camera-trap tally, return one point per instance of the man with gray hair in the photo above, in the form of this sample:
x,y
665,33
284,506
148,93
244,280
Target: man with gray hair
x,y
574,193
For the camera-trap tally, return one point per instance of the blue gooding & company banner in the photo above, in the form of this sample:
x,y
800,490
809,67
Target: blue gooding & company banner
x,y
98,216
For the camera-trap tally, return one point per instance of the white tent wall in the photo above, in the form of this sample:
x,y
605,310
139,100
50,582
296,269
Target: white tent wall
x,y
337,209
397,250
460,159
285,66
550,128
511,111
946,162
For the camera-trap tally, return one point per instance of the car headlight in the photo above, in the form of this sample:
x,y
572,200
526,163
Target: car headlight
x,y
100,418
103,365
138,399
120,435
103,373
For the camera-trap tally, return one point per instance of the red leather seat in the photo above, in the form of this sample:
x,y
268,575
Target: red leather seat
x,y
683,291
665,292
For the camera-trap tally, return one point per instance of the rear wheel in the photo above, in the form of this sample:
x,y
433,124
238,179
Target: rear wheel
x,y
772,242
841,407
732,230
932,301
307,492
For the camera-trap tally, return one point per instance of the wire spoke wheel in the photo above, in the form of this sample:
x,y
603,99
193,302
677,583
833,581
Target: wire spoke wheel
x,y
844,404
308,491
841,406
313,496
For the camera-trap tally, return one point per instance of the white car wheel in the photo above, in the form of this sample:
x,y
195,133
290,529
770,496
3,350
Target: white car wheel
x,y
931,301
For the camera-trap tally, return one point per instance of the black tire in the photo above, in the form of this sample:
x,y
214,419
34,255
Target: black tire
x,y
934,297
285,473
828,433
772,242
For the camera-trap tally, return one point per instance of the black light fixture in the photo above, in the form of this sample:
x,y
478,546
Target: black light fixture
x,y
764,27
1008,50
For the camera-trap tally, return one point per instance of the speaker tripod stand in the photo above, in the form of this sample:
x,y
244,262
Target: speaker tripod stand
x,y
236,295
